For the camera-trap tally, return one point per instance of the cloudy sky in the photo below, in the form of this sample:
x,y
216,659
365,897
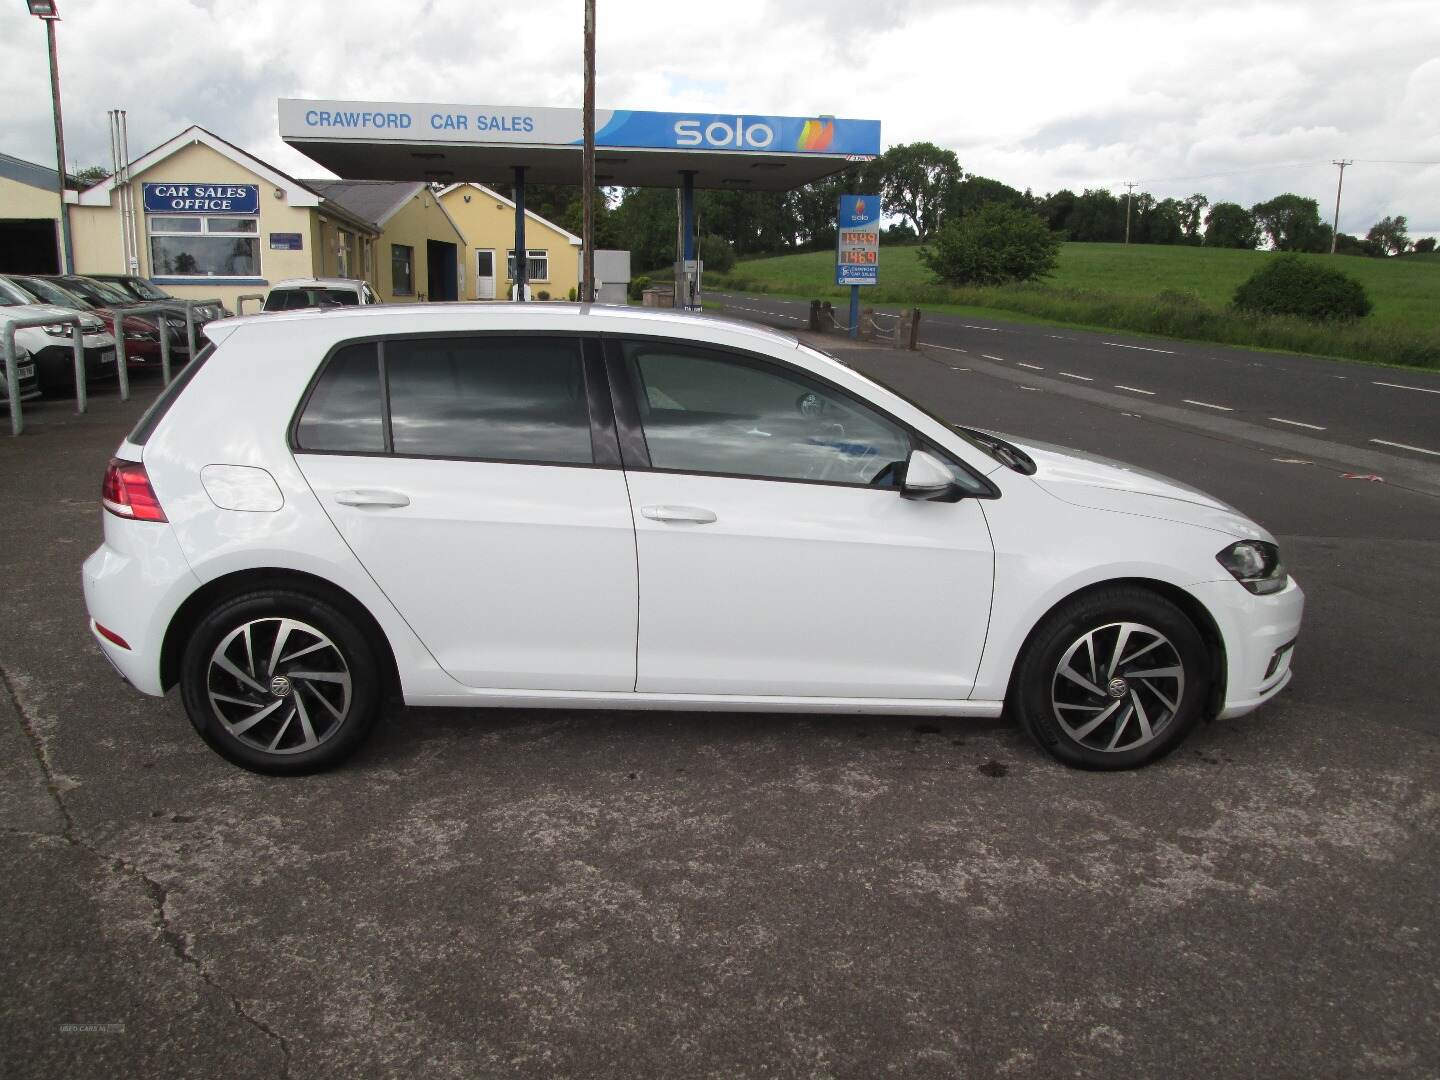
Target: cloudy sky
x,y
1238,100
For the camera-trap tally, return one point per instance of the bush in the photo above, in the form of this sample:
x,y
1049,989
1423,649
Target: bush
x,y
1290,285
717,254
992,246
638,285
574,294
543,294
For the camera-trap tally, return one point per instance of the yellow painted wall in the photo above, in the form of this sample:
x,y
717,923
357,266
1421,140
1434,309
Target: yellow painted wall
x,y
488,222
419,220
96,229
19,200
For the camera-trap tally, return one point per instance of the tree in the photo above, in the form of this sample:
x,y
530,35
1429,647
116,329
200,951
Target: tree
x,y
1192,210
917,177
1161,223
1292,222
995,244
1390,235
1097,215
89,176
1230,225
1311,288
972,192
1056,210
1425,245
1345,244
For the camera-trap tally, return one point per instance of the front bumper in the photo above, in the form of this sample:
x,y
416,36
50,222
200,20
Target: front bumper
x,y
1259,634
55,364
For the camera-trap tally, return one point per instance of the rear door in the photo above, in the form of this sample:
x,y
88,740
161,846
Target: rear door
x,y
477,479
777,557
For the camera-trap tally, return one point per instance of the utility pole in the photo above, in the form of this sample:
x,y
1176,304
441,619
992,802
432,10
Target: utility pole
x,y
587,166
45,11
1130,190
1335,228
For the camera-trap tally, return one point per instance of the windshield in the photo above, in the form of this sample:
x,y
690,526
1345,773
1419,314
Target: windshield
x,y
290,299
143,289
50,293
11,295
96,291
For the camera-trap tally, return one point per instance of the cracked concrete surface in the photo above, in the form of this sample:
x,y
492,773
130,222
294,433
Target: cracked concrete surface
x,y
509,893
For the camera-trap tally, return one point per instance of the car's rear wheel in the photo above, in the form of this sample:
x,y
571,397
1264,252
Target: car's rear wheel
x,y
1113,679
280,682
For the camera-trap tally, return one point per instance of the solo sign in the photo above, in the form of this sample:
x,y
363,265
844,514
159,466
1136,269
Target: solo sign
x,y
202,199
857,246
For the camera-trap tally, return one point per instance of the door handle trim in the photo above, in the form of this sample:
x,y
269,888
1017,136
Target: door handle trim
x,y
372,497
690,515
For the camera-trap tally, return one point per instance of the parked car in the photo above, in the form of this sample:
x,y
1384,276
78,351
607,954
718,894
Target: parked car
x,y
50,347
561,506
27,379
143,291
103,297
319,293
142,337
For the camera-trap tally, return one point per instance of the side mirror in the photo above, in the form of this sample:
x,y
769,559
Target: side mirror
x,y
928,480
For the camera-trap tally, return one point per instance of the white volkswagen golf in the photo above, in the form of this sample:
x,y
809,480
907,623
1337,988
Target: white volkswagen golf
x,y
569,507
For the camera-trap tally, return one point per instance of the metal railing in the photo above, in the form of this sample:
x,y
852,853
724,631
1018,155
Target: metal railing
x,y
259,298
12,364
161,308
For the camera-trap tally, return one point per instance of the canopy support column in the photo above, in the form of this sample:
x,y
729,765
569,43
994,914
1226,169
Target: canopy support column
x,y
522,264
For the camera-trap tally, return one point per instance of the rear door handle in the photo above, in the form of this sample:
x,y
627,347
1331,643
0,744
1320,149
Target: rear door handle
x,y
371,497
694,515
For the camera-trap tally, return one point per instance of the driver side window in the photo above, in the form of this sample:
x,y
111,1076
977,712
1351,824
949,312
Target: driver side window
x,y
708,412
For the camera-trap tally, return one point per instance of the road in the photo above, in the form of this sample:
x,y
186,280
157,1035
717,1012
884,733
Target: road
x,y
568,894
1294,401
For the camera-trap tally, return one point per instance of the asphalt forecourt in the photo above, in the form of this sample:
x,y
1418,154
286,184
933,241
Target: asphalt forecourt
x,y
1381,409
517,893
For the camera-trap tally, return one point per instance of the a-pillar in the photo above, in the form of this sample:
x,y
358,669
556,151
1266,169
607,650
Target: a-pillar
x,y
522,264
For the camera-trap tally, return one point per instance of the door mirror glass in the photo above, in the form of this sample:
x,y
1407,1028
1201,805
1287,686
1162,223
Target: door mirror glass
x,y
928,479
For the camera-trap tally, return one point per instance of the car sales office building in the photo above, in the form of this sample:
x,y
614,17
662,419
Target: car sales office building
x,y
203,218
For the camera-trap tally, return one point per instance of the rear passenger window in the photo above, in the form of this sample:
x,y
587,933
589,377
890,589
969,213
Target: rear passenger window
x,y
493,398
344,413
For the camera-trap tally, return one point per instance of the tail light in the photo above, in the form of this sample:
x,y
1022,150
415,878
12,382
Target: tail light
x,y
127,493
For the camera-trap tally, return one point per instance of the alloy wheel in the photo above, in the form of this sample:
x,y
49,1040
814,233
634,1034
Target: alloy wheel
x,y
1118,687
279,685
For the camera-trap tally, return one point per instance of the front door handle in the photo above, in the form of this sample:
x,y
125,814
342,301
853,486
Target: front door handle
x,y
371,497
694,515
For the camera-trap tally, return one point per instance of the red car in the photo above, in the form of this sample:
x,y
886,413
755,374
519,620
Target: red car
x,y
142,336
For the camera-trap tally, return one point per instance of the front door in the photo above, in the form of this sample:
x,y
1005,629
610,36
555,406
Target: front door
x,y
480,501
485,274
777,557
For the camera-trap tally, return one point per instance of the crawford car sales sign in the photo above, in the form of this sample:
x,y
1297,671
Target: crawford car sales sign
x,y
202,198
857,250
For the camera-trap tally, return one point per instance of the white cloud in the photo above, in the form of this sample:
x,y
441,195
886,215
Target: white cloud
x,y
1038,94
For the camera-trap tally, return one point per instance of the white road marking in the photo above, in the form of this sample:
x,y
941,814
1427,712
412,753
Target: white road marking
x,y
1135,390
947,348
1032,367
1291,461
1035,388
999,359
1142,348
1207,405
1398,386
1082,378
1407,446
972,326
1296,423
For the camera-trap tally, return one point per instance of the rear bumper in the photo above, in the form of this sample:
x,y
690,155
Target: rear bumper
x,y
134,583
1259,634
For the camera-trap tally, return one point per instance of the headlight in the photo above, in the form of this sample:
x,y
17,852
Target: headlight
x,y
1256,565
58,329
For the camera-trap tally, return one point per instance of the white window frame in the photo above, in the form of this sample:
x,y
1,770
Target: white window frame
x,y
532,256
151,231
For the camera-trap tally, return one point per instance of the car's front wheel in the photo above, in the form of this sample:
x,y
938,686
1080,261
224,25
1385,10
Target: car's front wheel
x,y
1113,679
280,682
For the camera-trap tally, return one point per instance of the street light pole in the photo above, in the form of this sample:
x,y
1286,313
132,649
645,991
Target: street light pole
x,y
587,163
46,12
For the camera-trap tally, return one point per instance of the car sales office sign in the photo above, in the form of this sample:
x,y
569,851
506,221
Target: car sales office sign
x,y
857,251
202,199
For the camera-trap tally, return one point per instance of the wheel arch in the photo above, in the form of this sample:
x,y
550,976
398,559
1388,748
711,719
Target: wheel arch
x,y
1198,614
203,599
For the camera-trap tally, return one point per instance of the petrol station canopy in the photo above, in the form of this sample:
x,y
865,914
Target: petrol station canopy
x,y
371,140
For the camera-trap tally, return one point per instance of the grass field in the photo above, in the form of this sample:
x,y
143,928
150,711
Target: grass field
x,y
1173,291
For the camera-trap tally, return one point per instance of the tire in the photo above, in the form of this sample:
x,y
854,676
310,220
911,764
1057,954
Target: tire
x,y
1103,715
299,708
